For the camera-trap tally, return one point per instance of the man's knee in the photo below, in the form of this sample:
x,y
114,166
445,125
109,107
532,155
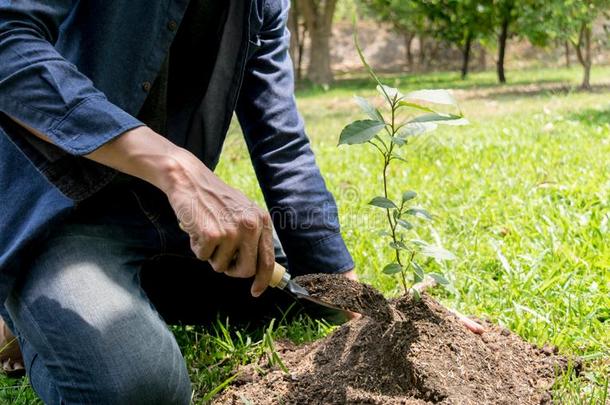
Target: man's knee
x,y
167,383
137,370
119,357
142,365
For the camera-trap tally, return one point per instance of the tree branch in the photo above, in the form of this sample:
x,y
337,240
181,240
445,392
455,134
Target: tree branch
x,y
578,45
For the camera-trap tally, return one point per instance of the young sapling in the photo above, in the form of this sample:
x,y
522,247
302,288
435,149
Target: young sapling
x,y
386,130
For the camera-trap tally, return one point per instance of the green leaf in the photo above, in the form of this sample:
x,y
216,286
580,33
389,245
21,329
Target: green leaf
x,y
360,132
392,268
418,272
416,294
408,195
391,92
419,213
398,157
368,108
405,224
437,252
383,203
409,104
416,128
439,96
418,242
438,118
439,278
398,141
398,245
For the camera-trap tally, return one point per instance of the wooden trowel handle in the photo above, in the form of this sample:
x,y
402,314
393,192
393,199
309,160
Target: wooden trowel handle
x,y
280,277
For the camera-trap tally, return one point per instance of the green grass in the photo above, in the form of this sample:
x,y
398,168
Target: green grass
x,y
521,196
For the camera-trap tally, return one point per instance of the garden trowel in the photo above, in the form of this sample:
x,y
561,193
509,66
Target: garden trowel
x,y
281,279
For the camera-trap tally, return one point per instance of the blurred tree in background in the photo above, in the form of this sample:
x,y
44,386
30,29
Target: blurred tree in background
x,y
318,16
406,17
570,21
458,24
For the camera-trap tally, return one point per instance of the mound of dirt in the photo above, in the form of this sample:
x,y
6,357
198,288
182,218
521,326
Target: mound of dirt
x,y
420,354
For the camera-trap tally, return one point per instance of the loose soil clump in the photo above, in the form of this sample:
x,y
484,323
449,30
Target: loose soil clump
x,y
347,294
419,354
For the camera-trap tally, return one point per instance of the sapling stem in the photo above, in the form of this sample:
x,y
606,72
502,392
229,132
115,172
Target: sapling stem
x,y
387,158
374,130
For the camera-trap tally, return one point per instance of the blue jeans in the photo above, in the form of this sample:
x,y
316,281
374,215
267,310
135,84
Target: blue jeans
x,y
90,312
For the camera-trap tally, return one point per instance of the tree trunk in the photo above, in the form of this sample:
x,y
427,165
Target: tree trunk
x,y
466,55
431,57
584,40
503,38
302,35
293,27
318,18
422,52
586,81
408,49
567,52
298,33
482,58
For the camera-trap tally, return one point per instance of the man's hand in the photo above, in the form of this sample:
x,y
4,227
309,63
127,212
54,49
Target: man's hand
x,y
226,228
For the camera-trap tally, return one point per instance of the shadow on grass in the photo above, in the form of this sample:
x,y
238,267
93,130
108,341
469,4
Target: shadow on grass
x,y
481,84
592,117
538,88
363,82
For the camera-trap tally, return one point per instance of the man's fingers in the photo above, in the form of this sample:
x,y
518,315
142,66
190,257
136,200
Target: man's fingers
x,y
203,251
202,248
265,262
223,257
245,265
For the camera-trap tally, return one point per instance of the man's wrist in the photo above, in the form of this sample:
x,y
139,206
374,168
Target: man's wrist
x,y
143,153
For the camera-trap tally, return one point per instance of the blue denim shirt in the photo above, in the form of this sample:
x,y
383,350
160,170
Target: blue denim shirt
x,y
79,72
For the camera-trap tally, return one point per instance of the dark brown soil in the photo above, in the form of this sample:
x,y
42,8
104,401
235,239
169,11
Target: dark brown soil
x,y
424,355
347,294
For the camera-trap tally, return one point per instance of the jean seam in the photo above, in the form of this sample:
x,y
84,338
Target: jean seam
x,y
34,323
153,220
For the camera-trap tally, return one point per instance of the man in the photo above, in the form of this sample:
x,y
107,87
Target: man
x,y
112,118
123,107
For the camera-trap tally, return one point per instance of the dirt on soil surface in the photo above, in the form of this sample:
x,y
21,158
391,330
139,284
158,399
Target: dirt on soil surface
x,y
347,294
415,352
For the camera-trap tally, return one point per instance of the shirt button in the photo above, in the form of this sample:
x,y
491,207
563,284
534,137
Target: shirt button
x,y
146,86
172,25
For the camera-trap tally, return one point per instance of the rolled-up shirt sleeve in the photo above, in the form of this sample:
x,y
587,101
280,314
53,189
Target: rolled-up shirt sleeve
x,y
303,210
43,90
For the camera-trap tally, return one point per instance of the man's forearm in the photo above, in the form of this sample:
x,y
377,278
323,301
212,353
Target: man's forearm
x,y
225,227
140,152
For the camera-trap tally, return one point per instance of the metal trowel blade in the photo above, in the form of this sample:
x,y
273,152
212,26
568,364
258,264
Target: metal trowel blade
x,y
302,293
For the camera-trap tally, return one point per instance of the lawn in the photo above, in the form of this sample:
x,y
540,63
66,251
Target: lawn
x,y
521,196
